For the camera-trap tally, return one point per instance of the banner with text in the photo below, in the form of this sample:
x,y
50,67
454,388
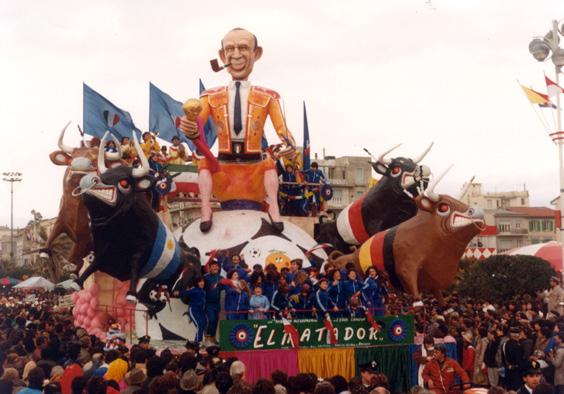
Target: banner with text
x,y
236,335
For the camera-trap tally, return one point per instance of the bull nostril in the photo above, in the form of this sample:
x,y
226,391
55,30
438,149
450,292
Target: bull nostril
x,y
471,211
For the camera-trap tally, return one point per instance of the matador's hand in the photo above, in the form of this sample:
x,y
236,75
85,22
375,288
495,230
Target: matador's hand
x,y
190,128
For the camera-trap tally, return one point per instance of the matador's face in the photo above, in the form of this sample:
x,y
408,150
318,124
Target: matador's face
x,y
240,51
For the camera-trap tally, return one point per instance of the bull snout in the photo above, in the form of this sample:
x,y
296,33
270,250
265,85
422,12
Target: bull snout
x,y
86,183
476,212
82,164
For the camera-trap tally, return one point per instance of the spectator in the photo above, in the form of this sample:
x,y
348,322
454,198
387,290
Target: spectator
x,y
213,288
36,378
440,372
531,375
237,371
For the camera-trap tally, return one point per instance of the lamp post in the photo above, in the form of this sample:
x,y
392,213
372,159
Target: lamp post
x,y
540,48
12,177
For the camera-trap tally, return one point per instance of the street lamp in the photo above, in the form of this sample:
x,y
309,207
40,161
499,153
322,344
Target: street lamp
x,y
540,48
12,177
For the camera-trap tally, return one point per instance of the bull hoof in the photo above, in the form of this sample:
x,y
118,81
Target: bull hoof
x,y
418,304
131,299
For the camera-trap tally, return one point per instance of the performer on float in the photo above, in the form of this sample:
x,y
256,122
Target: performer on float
x,y
239,112
196,299
315,175
177,152
150,144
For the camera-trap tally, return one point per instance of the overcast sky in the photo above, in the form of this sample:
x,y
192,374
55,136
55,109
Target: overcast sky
x,y
372,74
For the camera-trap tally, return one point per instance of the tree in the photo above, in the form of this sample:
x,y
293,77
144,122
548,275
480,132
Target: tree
x,y
503,277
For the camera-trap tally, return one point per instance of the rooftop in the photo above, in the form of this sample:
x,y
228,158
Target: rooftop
x,y
536,212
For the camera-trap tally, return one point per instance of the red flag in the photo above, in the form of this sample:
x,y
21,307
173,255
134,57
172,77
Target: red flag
x,y
552,87
371,321
330,330
291,330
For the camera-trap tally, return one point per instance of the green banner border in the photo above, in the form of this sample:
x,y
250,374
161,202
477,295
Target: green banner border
x,y
241,335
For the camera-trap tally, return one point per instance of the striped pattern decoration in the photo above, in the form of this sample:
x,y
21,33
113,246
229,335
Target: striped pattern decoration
x,y
165,256
350,223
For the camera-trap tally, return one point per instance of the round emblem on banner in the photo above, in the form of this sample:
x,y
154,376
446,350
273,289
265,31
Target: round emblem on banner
x,y
397,331
242,336
327,192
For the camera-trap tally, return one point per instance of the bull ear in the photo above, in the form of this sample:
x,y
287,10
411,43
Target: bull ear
x,y
379,167
60,158
144,183
424,203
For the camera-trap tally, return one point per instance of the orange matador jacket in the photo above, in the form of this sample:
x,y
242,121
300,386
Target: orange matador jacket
x,y
261,102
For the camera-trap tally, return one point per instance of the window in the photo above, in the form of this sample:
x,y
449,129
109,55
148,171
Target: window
x,y
518,225
523,201
547,225
331,173
489,204
337,196
359,176
497,203
535,225
504,227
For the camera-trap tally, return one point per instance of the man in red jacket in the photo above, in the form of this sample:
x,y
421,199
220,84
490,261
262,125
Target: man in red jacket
x,y
440,372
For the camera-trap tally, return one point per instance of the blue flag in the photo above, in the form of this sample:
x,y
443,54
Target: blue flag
x,y
164,117
306,158
99,115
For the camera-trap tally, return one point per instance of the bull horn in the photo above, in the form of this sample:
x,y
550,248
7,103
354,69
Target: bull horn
x,y
430,192
144,170
114,155
466,188
101,154
62,146
382,159
422,156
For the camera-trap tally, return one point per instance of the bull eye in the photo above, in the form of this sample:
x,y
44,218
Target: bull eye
x,y
124,185
396,171
443,209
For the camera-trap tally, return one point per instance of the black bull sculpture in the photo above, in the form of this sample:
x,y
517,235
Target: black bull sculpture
x,y
385,205
130,240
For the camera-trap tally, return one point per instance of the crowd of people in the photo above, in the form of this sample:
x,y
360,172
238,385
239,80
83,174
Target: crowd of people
x,y
506,346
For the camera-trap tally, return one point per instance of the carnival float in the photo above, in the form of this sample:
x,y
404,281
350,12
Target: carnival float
x,y
131,264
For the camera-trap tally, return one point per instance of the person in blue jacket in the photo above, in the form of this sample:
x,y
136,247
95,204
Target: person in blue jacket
x,y
280,302
271,281
336,292
236,264
196,308
259,305
213,288
237,298
351,285
302,303
373,292
322,301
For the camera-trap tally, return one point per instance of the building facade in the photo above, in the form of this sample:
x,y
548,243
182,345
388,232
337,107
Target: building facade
x,y
350,177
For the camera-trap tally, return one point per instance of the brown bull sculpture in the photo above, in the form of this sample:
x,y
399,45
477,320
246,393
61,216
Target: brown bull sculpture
x,y
72,219
422,253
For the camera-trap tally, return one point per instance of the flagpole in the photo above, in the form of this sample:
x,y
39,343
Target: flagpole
x,y
560,146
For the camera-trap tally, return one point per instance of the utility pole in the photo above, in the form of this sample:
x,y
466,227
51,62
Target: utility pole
x,y
12,177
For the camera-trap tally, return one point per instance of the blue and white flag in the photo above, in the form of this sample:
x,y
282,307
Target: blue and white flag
x,y
99,115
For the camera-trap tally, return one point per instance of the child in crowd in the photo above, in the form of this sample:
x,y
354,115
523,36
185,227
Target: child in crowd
x,y
259,305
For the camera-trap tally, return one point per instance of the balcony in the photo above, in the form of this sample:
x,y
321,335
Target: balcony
x,y
512,232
